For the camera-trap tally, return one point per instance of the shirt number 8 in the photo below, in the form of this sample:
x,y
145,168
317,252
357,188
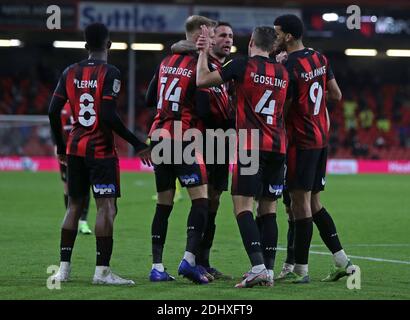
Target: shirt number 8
x,y
87,114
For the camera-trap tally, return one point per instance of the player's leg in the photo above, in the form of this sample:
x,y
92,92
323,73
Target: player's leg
x,y
178,193
289,263
83,226
328,233
218,176
63,175
105,182
196,223
165,184
244,189
209,232
268,234
300,206
300,178
243,207
159,228
326,225
194,178
273,183
78,183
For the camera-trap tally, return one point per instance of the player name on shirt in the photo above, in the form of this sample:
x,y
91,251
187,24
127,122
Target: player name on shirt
x,y
178,71
262,79
313,74
84,84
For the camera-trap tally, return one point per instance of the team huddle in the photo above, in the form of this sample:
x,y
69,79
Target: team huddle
x,y
274,100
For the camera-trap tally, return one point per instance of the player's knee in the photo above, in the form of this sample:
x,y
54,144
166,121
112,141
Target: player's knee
x,y
199,192
166,198
300,210
266,206
75,207
316,205
107,210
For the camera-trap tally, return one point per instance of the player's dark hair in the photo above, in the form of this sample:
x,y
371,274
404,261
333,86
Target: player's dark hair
x,y
264,37
96,35
223,24
290,23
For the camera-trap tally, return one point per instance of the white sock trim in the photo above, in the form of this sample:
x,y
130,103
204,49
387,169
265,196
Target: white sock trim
x,y
100,269
301,269
190,257
288,267
340,258
258,268
158,266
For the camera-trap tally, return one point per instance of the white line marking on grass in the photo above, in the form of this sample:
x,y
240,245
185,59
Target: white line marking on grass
x,y
368,245
357,257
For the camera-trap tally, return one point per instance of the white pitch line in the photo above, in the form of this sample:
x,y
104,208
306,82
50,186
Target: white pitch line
x,y
368,245
357,257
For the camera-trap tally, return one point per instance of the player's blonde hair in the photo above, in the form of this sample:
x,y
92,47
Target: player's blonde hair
x,y
194,23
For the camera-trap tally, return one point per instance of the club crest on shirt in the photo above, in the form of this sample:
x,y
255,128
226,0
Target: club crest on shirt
x,y
116,86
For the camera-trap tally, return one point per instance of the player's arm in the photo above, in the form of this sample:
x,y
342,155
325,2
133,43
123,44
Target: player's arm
x,y
333,91
151,94
289,93
57,103
204,77
328,120
109,115
289,98
111,119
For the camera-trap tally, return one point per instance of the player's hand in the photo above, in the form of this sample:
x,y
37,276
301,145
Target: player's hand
x,y
203,42
62,158
145,156
282,57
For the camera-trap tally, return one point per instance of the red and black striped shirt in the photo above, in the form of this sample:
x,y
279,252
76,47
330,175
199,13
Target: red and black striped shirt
x,y
176,92
261,85
85,85
213,104
306,122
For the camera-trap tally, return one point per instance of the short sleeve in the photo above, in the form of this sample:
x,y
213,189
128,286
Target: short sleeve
x,y
112,83
233,70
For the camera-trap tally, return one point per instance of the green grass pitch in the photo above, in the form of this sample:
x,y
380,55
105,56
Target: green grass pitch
x,y
372,214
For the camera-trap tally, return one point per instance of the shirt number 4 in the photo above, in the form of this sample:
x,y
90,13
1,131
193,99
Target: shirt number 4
x,y
269,110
